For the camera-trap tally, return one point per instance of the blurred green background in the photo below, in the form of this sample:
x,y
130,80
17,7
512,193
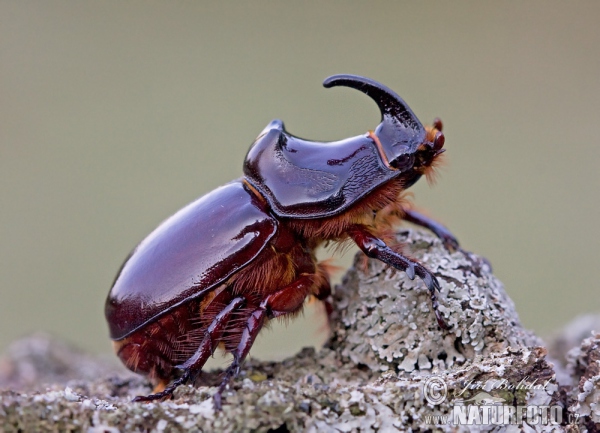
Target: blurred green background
x,y
113,115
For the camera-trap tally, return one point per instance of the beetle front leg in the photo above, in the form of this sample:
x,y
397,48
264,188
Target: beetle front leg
x,y
375,248
207,347
447,238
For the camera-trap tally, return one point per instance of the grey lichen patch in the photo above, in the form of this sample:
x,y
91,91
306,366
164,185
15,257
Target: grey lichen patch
x,y
510,377
372,376
386,320
305,393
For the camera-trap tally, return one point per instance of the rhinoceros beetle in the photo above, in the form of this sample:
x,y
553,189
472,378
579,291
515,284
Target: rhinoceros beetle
x,y
212,274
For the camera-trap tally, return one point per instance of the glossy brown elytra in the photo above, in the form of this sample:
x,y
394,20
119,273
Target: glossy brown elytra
x,y
213,273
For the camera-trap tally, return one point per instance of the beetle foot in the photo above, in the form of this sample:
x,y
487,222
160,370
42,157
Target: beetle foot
x,y
448,239
376,248
449,242
167,393
477,262
218,401
434,288
230,373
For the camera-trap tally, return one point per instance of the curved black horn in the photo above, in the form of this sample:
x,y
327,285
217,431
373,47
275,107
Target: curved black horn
x,y
398,122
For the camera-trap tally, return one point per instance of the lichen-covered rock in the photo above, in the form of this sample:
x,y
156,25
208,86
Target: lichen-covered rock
x,y
387,368
583,363
386,320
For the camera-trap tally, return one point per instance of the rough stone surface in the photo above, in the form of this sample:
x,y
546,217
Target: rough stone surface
x,y
387,367
387,320
584,363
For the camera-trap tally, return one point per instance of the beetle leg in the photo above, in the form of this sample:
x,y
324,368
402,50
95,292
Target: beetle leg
x,y
447,238
168,391
287,300
211,338
322,292
209,343
253,325
444,234
375,248
290,298
322,287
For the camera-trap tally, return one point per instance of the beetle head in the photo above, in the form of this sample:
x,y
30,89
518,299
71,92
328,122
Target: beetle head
x,y
403,142
428,156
